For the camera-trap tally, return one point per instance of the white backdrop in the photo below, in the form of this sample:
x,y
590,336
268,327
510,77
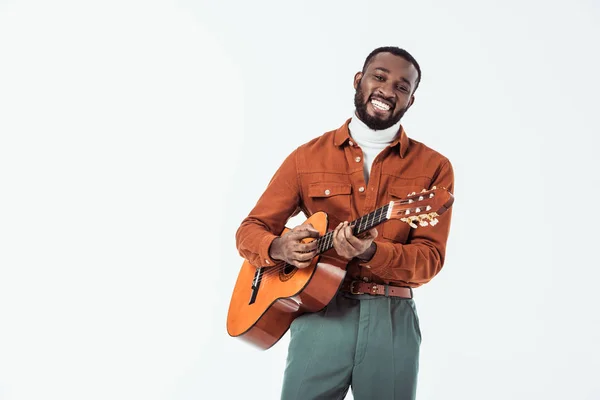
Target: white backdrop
x,y
136,135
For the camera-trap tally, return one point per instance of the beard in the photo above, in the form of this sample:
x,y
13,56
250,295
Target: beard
x,y
372,122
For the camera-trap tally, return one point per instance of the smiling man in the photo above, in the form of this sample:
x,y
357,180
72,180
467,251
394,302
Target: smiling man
x,y
368,336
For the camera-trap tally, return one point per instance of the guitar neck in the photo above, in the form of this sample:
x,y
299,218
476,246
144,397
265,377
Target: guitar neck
x,y
358,226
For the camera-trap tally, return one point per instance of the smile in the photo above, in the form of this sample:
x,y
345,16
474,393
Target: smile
x,y
380,105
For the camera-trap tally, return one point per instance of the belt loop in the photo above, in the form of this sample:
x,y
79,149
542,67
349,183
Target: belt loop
x,y
411,292
387,289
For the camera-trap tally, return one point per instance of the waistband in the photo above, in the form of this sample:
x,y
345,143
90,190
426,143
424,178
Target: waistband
x,y
376,289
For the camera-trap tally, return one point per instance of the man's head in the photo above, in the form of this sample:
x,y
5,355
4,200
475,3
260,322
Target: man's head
x,y
385,87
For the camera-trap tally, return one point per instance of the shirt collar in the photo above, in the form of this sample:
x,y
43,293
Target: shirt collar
x,y
342,136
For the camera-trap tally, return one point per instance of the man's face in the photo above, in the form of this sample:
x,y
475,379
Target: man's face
x,y
385,90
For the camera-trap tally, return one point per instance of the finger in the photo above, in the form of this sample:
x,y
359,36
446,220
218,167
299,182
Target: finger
x,y
357,243
336,239
373,232
305,227
336,233
361,241
303,256
349,234
307,247
302,265
345,232
305,233
340,244
342,233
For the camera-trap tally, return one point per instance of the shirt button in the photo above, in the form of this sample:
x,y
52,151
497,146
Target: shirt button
x,y
366,279
267,261
350,142
327,192
357,159
361,189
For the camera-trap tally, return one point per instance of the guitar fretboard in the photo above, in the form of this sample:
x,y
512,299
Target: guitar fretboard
x,y
359,226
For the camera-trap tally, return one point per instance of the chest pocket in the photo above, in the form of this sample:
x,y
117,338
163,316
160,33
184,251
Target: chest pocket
x,y
394,229
334,198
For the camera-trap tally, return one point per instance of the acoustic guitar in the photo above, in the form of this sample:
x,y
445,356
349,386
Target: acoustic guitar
x,y
266,300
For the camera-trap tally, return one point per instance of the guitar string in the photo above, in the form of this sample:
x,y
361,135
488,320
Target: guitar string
x,y
328,237
324,241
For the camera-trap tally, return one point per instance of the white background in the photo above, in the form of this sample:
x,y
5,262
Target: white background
x,y
136,135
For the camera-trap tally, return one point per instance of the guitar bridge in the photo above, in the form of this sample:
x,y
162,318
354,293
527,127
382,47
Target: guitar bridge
x,y
256,284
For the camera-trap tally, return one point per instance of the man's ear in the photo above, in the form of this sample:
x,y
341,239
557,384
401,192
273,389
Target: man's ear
x,y
357,79
412,100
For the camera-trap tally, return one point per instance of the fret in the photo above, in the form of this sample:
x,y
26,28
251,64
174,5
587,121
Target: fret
x,y
383,213
360,222
359,225
375,217
368,225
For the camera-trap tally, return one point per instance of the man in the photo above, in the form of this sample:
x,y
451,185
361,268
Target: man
x,y
367,341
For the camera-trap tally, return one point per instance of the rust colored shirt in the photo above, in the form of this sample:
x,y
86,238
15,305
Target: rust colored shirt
x,y
326,174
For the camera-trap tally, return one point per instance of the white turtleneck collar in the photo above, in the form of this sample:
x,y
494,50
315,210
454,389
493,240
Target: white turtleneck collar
x,y
360,132
371,141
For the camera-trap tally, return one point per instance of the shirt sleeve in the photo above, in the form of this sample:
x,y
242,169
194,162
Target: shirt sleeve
x,y
267,219
422,257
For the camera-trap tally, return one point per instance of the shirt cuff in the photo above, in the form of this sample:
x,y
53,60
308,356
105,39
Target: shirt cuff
x,y
381,259
265,245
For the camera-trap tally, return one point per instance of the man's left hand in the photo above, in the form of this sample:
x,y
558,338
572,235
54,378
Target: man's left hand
x,y
349,246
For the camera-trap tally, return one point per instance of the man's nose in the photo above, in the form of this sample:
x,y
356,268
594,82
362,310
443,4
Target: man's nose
x,y
387,90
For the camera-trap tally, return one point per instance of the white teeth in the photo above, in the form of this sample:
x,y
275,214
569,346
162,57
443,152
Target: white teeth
x,y
380,105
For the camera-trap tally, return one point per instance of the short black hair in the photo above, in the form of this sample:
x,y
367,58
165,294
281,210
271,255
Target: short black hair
x,y
397,52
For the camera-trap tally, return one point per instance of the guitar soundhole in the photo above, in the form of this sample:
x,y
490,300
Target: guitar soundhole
x,y
287,272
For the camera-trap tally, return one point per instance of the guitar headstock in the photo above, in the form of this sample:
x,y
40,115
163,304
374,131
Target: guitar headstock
x,y
422,208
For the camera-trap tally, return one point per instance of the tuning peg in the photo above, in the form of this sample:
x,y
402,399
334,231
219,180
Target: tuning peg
x,y
407,212
424,190
410,201
431,195
413,193
428,208
434,222
409,221
433,188
421,198
423,223
417,210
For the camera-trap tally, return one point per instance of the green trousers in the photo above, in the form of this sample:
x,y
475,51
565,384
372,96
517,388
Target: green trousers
x,y
368,343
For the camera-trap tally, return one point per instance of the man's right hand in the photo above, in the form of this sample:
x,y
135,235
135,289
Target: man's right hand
x,y
290,249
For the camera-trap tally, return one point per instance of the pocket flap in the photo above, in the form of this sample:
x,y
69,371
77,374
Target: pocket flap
x,y
328,189
403,191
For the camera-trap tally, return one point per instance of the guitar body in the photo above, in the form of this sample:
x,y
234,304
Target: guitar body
x,y
266,300
284,293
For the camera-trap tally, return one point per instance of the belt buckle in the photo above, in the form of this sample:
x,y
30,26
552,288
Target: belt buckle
x,y
352,291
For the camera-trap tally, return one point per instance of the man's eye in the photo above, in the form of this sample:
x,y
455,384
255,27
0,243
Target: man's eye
x,y
402,88
379,77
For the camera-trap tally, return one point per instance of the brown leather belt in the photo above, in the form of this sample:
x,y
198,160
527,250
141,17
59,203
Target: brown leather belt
x,y
360,287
